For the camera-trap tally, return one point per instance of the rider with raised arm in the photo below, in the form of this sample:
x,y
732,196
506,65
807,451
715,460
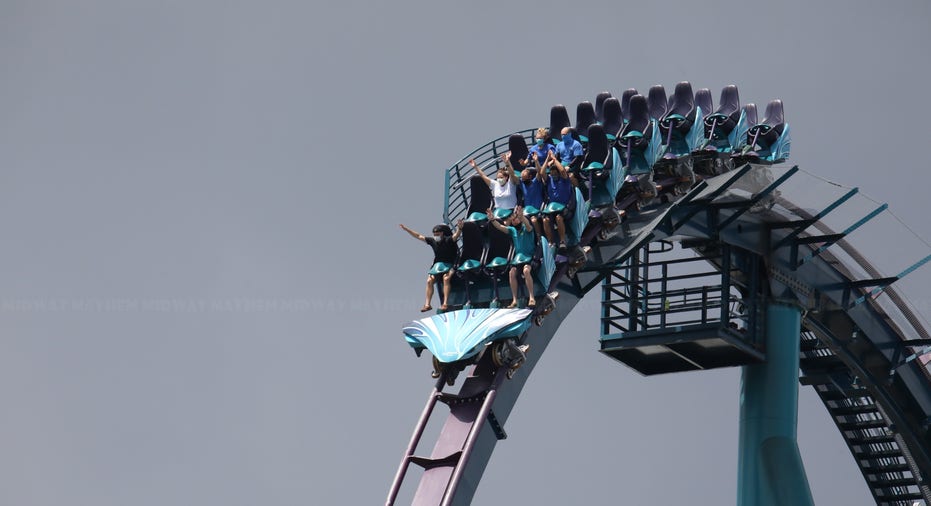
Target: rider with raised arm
x,y
524,241
503,188
559,191
445,253
532,189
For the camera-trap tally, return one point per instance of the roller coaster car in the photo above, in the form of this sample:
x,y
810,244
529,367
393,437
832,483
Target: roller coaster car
x,y
769,140
712,156
641,144
457,338
598,164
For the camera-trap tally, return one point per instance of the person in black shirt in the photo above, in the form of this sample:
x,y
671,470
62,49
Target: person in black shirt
x,y
445,253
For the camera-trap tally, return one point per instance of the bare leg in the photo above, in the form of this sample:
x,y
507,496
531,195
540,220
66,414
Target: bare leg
x,y
447,281
426,305
561,227
546,229
528,279
535,221
512,278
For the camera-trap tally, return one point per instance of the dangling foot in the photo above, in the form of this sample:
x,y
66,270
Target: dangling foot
x,y
512,305
435,374
532,303
425,308
444,307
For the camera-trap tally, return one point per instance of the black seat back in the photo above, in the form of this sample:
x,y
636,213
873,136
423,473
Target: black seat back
x,y
597,145
682,101
639,115
729,105
473,242
774,114
703,100
625,102
559,119
613,120
584,117
499,244
599,105
480,199
519,150
656,100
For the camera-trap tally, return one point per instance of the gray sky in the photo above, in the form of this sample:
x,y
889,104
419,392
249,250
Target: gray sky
x,y
203,281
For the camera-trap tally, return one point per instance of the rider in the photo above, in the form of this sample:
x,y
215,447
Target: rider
x,y
445,253
559,192
524,240
504,187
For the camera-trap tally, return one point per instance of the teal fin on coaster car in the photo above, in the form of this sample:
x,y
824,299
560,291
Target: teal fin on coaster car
x,y
738,136
655,148
548,266
581,216
458,335
697,133
780,149
618,173
440,268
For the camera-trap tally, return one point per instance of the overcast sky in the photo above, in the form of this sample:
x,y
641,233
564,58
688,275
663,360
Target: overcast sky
x,y
202,281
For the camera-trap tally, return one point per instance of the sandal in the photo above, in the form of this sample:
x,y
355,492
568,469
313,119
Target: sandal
x,y
426,308
531,304
512,305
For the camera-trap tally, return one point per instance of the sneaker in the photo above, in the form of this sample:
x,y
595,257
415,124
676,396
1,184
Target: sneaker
x,y
435,374
524,348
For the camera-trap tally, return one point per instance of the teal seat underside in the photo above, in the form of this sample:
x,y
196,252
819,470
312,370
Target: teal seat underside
x,y
477,216
498,262
553,207
470,264
458,335
440,268
502,213
531,211
521,258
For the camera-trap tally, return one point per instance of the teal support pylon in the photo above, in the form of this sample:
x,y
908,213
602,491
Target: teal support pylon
x,y
769,468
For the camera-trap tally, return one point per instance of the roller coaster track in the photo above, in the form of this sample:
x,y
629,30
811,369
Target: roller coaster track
x,y
859,340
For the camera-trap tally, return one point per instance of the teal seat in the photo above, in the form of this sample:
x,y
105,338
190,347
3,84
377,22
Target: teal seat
x,y
497,262
502,213
531,211
553,207
593,166
521,259
440,268
470,264
477,216
632,134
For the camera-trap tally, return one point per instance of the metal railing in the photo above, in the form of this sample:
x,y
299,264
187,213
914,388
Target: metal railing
x,y
456,182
